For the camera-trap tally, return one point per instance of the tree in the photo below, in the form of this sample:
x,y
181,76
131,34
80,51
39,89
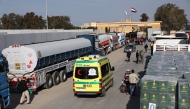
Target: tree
x,y
12,21
144,17
171,16
59,22
33,21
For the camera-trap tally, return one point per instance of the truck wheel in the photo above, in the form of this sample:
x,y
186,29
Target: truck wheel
x,y
63,76
56,79
49,81
1,101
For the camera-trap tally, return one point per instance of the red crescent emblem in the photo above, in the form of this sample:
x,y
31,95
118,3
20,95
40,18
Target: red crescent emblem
x,y
79,72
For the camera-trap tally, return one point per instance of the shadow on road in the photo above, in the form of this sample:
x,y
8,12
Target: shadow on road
x,y
148,57
134,102
141,74
15,100
87,96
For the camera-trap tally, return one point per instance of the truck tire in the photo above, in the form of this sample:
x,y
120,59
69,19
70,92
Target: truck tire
x,y
63,76
49,81
1,101
56,78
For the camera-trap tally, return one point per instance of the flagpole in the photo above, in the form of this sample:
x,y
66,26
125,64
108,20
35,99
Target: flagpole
x,y
124,17
131,16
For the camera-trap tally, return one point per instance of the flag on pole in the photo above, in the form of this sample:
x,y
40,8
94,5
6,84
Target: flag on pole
x,y
125,12
133,10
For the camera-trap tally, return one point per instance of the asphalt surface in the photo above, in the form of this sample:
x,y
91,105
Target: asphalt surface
x,y
62,97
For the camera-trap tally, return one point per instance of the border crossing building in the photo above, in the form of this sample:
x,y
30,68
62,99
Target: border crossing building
x,y
126,27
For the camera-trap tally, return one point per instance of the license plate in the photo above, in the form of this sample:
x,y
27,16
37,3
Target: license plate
x,y
17,66
80,89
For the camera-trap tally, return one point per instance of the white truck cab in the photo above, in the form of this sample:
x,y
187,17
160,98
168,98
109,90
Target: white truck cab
x,y
171,43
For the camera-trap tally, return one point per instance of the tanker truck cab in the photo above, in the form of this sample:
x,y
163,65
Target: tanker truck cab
x,y
100,42
4,85
92,75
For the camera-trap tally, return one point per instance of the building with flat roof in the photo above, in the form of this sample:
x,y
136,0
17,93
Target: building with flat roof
x,y
126,27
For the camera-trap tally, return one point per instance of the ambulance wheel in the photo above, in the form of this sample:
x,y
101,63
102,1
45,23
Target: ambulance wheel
x,y
103,92
63,76
49,81
1,101
56,78
112,82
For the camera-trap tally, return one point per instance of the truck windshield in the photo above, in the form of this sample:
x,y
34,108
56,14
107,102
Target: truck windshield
x,y
155,34
86,72
1,67
181,35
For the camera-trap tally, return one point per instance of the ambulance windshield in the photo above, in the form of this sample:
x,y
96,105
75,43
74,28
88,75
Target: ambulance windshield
x,y
86,72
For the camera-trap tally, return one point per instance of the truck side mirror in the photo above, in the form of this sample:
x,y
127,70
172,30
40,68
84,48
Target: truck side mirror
x,y
112,69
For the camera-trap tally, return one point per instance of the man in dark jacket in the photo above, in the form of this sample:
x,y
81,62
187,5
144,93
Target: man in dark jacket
x,y
24,89
151,47
129,55
146,47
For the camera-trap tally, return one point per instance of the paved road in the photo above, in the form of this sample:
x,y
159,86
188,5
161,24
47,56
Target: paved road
x,y
61,96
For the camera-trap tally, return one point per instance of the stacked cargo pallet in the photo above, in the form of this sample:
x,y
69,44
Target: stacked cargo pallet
x,y
160,90
163,84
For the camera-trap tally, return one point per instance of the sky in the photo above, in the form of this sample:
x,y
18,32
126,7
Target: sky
x,y
86,11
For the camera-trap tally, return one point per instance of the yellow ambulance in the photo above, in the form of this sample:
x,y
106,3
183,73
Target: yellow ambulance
x,y
92,75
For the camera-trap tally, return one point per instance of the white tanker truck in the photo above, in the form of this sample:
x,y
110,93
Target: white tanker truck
x,y
47,63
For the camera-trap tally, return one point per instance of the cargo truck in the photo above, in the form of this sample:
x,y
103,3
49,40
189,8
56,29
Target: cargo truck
x,y
46,64
4,84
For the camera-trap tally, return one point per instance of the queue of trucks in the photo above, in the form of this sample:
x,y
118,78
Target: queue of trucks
x,y
47,64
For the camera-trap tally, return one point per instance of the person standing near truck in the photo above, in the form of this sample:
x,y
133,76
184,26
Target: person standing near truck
x,y
126,80
22,87
133,79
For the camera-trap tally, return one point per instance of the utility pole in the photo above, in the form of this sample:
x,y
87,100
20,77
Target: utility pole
x,y
46,16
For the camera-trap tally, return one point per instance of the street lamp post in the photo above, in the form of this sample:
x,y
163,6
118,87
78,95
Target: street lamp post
x,y
46,16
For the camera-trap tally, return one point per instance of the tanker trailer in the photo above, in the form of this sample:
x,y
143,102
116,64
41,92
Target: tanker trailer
x,y
100,42
114,41
121,39
44,63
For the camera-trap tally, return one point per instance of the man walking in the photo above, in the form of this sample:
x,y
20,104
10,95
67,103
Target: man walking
x,y
151,47
128,55
146,47
142,56
22,86
133,80
137,56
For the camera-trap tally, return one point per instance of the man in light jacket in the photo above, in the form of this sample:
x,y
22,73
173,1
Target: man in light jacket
x,y
133,79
